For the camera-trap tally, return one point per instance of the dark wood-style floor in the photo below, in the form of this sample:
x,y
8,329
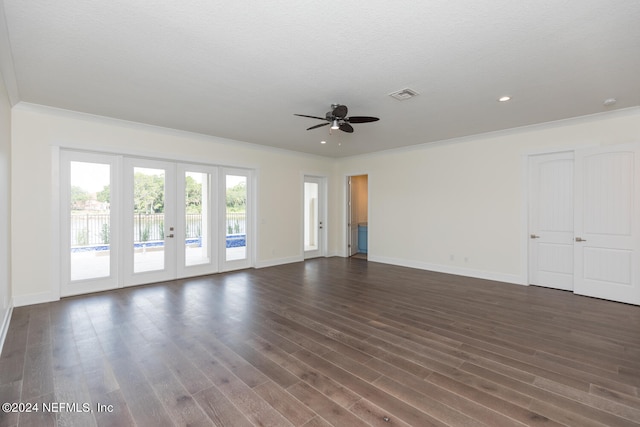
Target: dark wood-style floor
x,y
333,341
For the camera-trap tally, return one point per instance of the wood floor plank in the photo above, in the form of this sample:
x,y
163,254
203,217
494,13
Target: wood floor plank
x,y
329,410
237,391
328,341
277,374
329,387
142,401
38,372
177,401
291,408
220,410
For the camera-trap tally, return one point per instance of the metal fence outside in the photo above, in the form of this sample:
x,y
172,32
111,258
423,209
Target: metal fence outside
x,y
89,229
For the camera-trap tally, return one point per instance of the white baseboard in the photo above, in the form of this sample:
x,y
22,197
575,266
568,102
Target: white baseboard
x,y
31,299
459,271
279,261
5,326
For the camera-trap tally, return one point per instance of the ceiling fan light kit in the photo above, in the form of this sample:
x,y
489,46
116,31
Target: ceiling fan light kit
x,y
338,119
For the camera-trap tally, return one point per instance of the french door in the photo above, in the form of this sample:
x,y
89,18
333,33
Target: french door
x,y
90,200
313,211
149,227
128,221
235,218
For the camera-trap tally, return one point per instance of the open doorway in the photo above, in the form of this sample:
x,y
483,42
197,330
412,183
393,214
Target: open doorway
x,y
358,216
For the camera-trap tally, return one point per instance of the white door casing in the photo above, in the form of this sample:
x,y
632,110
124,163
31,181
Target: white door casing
x,y
352,221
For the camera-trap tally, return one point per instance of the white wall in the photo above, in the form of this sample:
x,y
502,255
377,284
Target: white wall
x,y
458,206
5,228
454,206
36,129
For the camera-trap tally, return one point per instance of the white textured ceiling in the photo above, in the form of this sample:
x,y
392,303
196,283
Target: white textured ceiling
x,y
240,70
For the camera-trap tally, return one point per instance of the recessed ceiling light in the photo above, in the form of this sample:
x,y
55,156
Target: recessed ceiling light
x,y
403,94
504,98
323,142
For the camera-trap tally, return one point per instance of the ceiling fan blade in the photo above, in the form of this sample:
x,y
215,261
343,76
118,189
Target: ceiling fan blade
x,y
340,111
346,127
311,117
362,119
319,126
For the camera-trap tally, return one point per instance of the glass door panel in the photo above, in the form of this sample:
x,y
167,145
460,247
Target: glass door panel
x,y
90,220
89,244
196,253
310,216
236,215
196,224
313,212
149,221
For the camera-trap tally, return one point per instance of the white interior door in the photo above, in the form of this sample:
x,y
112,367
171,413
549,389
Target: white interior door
x,y
607,218
313,213
149,223
551,260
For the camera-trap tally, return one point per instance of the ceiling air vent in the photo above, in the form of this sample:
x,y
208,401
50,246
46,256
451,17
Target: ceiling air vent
x,y
403,94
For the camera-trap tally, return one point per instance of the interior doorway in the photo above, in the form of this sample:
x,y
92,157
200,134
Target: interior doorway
x,y
358,216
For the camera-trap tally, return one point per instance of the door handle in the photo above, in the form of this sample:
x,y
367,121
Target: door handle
x,y
580,239
170,235
533,236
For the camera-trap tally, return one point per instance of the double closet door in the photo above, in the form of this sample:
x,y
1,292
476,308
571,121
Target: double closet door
x,y
129,221
584,222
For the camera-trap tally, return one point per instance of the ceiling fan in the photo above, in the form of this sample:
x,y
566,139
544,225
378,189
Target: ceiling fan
x,y
338,119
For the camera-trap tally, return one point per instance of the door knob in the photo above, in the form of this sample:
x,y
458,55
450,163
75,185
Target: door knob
x,y
580,239
534,236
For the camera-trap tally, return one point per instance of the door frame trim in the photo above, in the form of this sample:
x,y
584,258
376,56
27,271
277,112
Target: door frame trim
x,y
345,212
